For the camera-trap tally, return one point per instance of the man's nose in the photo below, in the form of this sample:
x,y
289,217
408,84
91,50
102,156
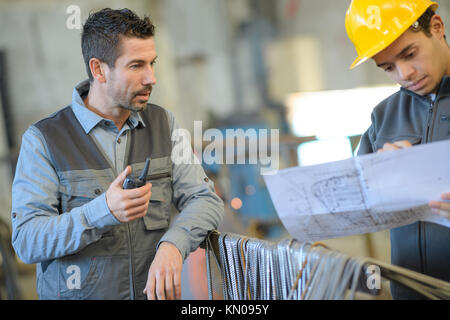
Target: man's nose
x,y
405,71
149,78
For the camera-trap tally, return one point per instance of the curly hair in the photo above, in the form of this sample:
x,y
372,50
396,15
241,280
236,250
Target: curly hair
x,y
103,31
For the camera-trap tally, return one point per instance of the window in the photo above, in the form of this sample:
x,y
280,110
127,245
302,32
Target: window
x,y
333,117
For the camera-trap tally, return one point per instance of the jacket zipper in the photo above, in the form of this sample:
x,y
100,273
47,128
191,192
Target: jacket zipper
x,y
430,119
131,264
130,241
130,257
421,230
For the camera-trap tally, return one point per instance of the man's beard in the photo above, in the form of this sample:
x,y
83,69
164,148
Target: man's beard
x,y
129,106
133,108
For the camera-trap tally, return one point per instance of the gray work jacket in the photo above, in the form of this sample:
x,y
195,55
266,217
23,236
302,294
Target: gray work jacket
x,y
61,220
422,246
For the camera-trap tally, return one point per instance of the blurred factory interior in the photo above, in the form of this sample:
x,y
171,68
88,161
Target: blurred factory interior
x,y
262,64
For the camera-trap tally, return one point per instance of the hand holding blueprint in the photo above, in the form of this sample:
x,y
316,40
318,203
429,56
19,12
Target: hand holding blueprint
x,y
362,194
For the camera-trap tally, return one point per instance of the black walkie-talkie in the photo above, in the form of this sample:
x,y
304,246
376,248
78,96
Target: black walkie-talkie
x,y
132,183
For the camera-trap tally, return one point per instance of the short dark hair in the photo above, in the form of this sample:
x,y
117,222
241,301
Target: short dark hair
x,y
424,22
103,31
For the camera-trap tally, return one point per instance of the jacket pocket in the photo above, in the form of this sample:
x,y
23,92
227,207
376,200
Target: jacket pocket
x,y
78,188
380,141
158,213
79,278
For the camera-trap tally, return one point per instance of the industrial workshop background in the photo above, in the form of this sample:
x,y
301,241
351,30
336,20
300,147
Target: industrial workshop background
x,y
280,64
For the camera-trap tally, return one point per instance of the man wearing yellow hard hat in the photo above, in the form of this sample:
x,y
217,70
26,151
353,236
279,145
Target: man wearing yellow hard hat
x,y
406,38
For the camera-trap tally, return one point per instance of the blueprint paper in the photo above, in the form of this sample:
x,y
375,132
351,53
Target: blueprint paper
x,y
362,194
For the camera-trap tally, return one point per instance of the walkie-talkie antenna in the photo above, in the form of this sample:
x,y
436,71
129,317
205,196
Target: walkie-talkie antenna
x,y
143,176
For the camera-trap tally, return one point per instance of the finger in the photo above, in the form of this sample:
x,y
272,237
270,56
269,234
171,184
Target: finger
x,y
160,291
125,204
177,284
137,202
442,213
445,196
121,177
403,144
439,205
150,288
169,286
136,213
390,147
145,292
140,192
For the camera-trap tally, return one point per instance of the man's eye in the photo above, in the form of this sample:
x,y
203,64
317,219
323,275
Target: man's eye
x,y
410,55
134,66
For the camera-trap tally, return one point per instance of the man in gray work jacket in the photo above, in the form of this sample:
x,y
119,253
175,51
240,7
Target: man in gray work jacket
x,y
90,238
406,38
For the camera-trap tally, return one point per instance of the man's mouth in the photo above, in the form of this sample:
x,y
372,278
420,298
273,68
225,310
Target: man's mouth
x,y
144,93
417,85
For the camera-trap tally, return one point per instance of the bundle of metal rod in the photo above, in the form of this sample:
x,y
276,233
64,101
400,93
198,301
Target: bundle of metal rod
x,y
262,270
254,269
428,287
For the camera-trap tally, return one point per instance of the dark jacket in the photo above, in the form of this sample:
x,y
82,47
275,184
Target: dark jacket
x,y
421,246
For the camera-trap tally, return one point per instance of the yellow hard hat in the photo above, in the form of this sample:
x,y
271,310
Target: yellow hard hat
x,y
373,25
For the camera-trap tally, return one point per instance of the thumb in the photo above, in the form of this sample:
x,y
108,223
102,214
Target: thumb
x,y
403,144
121,177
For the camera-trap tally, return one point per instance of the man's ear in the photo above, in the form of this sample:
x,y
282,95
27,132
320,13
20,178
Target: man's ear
x,y
437,26
97,68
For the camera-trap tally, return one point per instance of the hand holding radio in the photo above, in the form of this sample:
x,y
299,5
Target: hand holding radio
x,y
128,198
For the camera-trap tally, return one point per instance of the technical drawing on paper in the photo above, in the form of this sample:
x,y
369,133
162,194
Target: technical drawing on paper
x,y
340,193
